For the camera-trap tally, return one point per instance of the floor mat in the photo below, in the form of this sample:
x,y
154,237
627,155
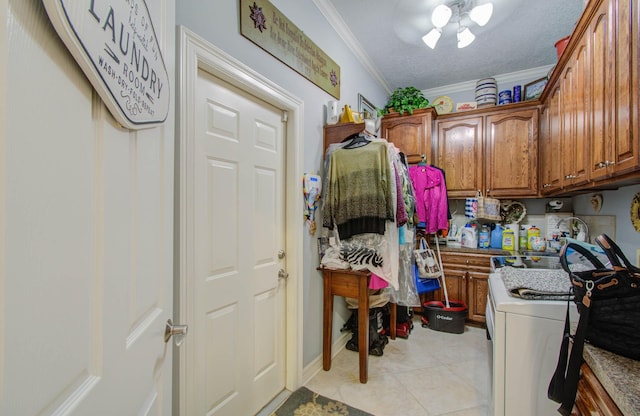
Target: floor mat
x,y
304,402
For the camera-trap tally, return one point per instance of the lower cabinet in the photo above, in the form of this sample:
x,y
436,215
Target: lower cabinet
x,y
592,398
467,280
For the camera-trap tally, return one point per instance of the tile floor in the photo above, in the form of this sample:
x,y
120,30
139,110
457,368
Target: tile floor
x,y
431,373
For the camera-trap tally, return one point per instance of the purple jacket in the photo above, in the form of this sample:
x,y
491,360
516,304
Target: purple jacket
x,y
431,197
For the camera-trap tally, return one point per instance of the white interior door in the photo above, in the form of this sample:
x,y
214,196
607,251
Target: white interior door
x,y
86,234
237,348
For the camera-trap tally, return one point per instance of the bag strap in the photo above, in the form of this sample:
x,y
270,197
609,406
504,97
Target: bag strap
x,y
555,391
582,250
575,361
615,254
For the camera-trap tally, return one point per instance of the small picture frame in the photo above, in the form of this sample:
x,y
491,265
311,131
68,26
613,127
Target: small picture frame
x,y
367,109
533,90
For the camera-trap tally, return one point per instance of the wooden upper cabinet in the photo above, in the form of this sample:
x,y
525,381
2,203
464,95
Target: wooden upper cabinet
x,y
511,146
579,156
613,42
411,133
624,149
600,36
550,155
494,152
459,151
596,93
574,119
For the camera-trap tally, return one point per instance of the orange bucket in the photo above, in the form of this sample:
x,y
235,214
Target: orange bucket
x,y
561,44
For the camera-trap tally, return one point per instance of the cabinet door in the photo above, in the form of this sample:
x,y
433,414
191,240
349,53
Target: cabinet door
x,y
623,150
550,155
456,285
591,397
602,90
614,49
410,133
511,144
460,154
574,96
579,155
477,290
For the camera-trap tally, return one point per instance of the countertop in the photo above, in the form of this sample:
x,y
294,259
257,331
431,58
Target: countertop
x,y
459,249
456,247
620,377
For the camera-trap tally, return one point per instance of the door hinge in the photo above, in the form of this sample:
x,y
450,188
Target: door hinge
x,y
285,116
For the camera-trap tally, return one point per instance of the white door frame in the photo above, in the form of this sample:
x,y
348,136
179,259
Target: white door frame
x,y
196,53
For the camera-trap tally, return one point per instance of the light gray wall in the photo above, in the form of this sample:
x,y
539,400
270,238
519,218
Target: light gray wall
x,y
218,23
616,203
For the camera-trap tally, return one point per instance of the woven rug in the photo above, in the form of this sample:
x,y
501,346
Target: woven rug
x,y
304,402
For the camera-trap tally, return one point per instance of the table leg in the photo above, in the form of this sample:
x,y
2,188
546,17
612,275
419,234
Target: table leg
x,y
392,319
327,323
363,327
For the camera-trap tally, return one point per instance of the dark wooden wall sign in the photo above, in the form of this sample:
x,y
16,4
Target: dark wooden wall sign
x,y
263,24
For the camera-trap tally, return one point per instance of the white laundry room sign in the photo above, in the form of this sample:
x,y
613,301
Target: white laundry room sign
x,y
115,44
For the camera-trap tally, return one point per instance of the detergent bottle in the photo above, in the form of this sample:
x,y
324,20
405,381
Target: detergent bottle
x,y
523,240
469,237
496,236
533,231
484,239
508,237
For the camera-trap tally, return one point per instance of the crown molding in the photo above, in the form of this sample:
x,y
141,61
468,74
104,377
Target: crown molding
x,y
511,77
335,20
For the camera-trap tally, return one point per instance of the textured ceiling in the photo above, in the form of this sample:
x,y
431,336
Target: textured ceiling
x,y
520,35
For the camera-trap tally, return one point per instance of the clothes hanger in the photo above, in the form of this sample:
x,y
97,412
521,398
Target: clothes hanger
x,y
423,162
356,140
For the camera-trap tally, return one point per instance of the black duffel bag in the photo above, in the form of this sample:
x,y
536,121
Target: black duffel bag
x,y
608,301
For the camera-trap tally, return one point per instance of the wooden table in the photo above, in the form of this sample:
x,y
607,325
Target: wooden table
x,y
350,284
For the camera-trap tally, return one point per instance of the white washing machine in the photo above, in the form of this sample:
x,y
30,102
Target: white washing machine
x,y
526,337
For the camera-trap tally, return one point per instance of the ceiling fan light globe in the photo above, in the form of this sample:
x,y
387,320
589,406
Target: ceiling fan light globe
x,y
441,16
481,14
431,38
465,37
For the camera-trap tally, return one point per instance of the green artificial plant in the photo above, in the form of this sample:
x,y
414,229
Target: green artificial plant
x,y
405,100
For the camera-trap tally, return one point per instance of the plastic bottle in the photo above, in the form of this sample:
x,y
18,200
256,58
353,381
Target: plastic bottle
x,y
523,239
516,232
483,241
496,236
469,238
508,237
533,231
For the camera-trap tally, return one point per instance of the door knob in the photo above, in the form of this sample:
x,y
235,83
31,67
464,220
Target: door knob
x,y
282,274
281,254
180,331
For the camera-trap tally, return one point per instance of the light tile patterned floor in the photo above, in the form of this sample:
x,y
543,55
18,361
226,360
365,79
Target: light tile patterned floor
x,y
431,373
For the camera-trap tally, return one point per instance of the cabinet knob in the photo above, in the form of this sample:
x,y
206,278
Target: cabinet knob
x,y
546,185
607,163
602,165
